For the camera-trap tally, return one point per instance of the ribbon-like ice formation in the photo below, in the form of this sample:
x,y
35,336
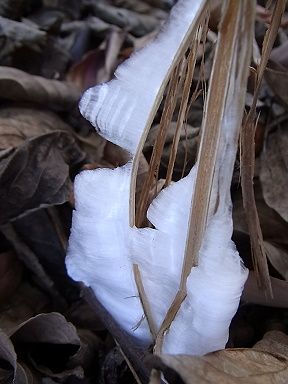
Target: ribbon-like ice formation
x,y
103,247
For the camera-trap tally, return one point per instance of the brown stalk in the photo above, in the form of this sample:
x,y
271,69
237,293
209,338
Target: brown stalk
x,y
238,16
248,158
191,61
178,57
186,42
168,110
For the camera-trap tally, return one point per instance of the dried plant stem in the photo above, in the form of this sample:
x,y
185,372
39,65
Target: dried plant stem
x,y
144,301
248,155
178,57
168,110
191,61
186,42
237,16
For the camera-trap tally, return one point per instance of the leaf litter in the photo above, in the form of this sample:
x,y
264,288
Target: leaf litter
x,y
51,53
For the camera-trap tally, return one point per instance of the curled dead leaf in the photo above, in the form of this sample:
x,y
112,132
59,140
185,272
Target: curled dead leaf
x,y
49,342
135,23
19,124
10,274
36,173
15,34
267,363
273,173
8,360
187,148
98,65
278,257
276,76
252,294
17,85
26,302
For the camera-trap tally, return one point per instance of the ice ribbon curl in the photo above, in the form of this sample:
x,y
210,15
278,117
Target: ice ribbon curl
x,y
103,246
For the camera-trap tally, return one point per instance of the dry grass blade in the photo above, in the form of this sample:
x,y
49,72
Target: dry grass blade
x,y
169,107
248,154
238,17
186,42
132,218
191,61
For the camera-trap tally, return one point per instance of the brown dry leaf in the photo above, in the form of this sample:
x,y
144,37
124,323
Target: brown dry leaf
x,y
44,253
279,54
26,302
12,9
187,148
276,76
252,294
87,354
265,16
17,85
36,174
97,66
274,227
162,4
50,328
140,6
50,343
275,342
278,257
19,124
273,173
25,375
267,363
10,274
8,360
15,35
133,22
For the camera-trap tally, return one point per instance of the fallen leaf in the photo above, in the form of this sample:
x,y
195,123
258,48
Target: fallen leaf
x,y
50,328
36,174
135,23
19,86
278,257
252,294
273,173
26,302
231,366
98,65
276,76
163,4
274,227
49,342
15,35
48,245
275,342
8,360
11,272
19,124
12,9
71,8
24,375
280,54
187,148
